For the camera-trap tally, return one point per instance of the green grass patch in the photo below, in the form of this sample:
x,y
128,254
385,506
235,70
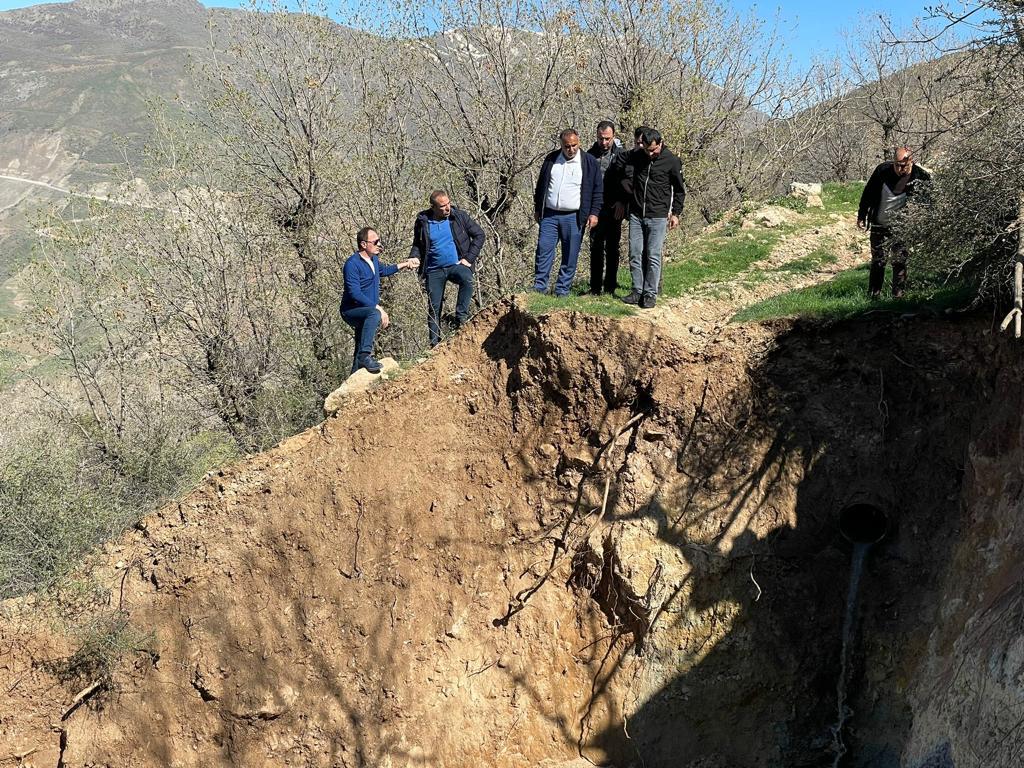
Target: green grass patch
x,y
712,260
812,262
841,197
579,301
786,201
846,296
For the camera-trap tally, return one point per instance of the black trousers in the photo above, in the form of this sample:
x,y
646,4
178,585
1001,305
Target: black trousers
x,y
605,253
885,247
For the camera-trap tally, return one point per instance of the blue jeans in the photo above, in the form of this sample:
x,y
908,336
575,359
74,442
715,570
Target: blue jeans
x,y
364,321
646,242
557,228
436,280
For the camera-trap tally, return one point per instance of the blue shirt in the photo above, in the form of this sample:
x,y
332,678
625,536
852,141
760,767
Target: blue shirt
x,y
362,283
442,252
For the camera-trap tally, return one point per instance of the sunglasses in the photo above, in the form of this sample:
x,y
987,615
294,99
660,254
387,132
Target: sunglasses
x,y
372,242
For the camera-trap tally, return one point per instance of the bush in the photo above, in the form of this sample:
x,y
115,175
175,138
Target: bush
x,y
60,496
102,642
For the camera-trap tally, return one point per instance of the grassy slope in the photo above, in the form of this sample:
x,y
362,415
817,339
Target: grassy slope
x,y
715,257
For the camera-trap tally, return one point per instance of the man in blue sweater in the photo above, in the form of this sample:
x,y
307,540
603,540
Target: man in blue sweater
x,y
566,200
360,302
446,242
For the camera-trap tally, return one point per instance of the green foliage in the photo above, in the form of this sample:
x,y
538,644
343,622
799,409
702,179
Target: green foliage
x,y
798,204
846,296
812,262
579,301
714,260
841,197
61,495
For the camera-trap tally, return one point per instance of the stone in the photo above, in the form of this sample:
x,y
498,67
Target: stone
x,y
815,201
798,189
771,218
747,224
359,382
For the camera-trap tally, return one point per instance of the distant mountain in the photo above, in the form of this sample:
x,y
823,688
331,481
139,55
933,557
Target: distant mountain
x,y
75,82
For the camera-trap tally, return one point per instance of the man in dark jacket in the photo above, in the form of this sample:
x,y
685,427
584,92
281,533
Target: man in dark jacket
x,y
653,183
447,243
605,237
567,199
889,189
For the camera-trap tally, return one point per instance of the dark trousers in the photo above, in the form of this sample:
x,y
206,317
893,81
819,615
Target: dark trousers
x,y
436,280
604,253
364,322
884,246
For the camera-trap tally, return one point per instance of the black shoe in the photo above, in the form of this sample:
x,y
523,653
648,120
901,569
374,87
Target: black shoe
x,y
633,297
373,366
647,301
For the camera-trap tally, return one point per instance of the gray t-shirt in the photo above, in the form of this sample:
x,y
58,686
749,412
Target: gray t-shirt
x,y
889,205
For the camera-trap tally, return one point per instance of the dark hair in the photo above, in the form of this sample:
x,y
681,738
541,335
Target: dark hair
x,y
567,133
650,136
362,235
604,125
639,131
438,193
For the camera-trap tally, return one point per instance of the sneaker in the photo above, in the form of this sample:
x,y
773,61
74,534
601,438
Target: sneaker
x,y
373,366
633,297
898,293
874,295
647,301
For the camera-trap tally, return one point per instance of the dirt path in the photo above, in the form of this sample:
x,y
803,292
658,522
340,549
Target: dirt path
x,y
696,320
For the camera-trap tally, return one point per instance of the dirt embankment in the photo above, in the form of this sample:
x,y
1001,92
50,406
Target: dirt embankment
x,y
566,537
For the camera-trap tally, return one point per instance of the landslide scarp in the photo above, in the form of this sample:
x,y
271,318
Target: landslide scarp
x,y
564,536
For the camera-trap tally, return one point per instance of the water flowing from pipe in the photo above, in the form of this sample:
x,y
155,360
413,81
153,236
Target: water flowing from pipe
x,y
843,712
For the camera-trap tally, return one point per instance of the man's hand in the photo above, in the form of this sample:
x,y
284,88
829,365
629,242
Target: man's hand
x,y
620,211
384,319
862,224
465,263
591,221
410,263
673,221
536,217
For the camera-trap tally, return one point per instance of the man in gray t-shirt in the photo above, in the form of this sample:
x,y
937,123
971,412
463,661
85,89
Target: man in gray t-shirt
x,y
888,190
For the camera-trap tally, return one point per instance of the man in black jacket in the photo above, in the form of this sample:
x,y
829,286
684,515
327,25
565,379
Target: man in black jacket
x,y
888,190
447,242
655,191
566,200
605,237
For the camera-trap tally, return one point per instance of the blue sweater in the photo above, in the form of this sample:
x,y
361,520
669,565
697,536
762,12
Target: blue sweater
x,y
362,284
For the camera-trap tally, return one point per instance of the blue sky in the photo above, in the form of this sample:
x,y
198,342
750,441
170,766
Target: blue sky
x,y
810,26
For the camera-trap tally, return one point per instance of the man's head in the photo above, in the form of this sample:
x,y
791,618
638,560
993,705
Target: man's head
x,y
368,241
651,142
638,134
570,141
440,204
605,135
903,161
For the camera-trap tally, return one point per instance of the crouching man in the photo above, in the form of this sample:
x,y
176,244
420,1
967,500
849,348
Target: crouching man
x,y
360,301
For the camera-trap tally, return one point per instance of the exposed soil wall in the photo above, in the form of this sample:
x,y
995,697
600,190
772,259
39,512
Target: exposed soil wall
x,y
566,538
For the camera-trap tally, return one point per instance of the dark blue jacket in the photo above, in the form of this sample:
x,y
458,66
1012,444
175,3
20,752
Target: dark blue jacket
x,y
362,284
591,193
468,237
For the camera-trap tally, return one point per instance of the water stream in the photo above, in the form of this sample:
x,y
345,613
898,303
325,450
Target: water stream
x,y
843,712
